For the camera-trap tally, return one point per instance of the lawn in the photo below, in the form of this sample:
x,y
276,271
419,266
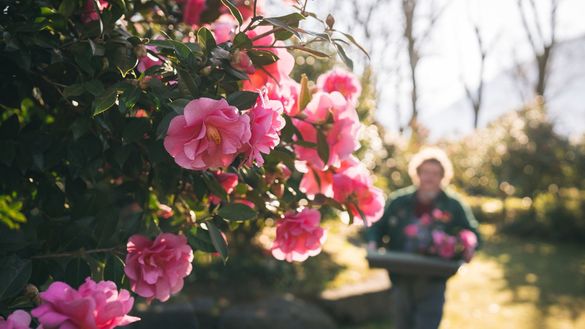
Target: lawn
x,y
516,283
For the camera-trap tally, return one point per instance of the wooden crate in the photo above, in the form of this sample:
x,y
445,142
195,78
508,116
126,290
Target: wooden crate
x,y
413,264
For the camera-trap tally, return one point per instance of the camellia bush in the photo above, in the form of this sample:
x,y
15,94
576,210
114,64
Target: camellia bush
x,y
135,133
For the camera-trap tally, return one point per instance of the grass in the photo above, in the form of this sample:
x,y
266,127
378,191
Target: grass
x,y
515,283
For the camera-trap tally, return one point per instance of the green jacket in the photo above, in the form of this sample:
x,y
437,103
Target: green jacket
x,y
399,211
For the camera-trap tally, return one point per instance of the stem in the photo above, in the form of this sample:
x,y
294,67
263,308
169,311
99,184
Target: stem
x,y
78,253
262,35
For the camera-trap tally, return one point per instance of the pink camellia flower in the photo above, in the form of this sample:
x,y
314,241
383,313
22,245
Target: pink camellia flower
x,y
266,122
241,61
94,305
314,180
210,133
224,28
353,187
164,211
278,70
441,216
469,242
156,268
444,244
425,219
411,230
341,135
286,91
89,13
228,182
192,11
19,319
298,236
342,81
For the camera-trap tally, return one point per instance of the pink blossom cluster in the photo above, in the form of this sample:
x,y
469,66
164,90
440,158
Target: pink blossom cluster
x,y
427,236
156,269
95,305
211,133
298,236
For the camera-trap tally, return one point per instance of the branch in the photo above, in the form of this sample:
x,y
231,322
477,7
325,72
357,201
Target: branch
x,y
80,253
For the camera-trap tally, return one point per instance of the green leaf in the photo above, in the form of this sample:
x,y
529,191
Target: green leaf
x,y
14,275
262,57
206,39
243,100
181,50
186,77
94,87
313,52
352,39
135,130
200,239
178,105
68,7
322,146
105,101
114,270
233,10
288,23
236,73
163,126
213,185
305,94
10,213
344,56
242,41
217,240
76,272
73,90
237,212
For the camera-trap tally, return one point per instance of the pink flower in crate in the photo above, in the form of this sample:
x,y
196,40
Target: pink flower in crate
x,y
228,182
353,187
89,13
266,122
469,242
192,11
156,269
425,219
411,230
19,319
342,81
94,305
298,236
210,133
441,216
444,244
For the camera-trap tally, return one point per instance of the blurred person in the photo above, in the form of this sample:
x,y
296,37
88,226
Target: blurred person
x,y
418,299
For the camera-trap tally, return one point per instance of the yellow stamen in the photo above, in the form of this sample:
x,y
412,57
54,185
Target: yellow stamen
x,y
213,134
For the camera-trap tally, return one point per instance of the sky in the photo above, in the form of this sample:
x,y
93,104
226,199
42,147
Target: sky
x,y
450,55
